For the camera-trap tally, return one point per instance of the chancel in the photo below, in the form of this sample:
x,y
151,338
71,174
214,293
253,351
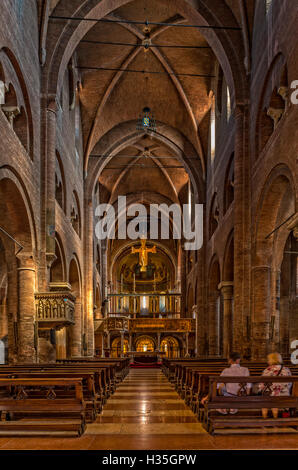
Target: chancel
x,y
155,120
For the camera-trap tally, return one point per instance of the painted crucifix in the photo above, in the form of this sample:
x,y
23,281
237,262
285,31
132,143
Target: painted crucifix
x,y
143,254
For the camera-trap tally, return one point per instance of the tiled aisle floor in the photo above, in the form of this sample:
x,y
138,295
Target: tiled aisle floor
x,y
146,413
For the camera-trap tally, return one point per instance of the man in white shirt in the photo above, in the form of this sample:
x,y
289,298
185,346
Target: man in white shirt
x,y
232,389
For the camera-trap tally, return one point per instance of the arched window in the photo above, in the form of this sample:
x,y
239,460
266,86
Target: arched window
x,y
214,216
14,99
60,194
272,103
228,103
75,215
268,5
229,185
212,130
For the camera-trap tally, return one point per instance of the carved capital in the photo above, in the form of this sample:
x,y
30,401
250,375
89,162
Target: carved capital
x,y
11,112
25,260
275,114
226,288
195,310
283,92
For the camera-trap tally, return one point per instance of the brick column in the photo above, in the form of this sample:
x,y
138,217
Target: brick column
x,y
226,289
89,321
213,324
12,308
50,178
261,277
195,312
158,342
76,331
102,345
26,317
186,345
183,282
242,228
122,343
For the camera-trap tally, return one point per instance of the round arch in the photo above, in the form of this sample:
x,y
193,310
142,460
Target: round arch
x,y
75,332
170,347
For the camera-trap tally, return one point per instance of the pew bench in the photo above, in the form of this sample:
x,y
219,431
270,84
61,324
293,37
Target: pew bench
x,y
92,400
42,414
249,406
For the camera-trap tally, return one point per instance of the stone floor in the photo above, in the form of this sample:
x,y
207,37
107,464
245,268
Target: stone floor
x,y
146,413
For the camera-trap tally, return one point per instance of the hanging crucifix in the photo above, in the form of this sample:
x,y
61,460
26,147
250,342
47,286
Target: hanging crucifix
x,y
143,254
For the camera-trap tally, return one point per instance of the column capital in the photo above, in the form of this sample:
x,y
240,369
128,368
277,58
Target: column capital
x,y
226,287
25,261
50,258
195,309
52,104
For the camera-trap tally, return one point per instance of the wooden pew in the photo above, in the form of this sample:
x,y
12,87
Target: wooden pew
x,y
92,399
122,364
249,406
46,414
105,372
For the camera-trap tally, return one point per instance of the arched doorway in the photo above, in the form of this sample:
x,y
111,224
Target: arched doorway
x,y
170,347
276,206
145,344
214,310
75,331
18,270
288,305
116,347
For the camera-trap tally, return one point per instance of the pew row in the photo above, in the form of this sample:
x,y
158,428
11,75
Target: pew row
x,y
249,406
32,406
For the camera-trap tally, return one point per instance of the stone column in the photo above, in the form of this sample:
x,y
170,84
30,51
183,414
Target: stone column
x,y
89,321
158,342
183,282
261,276
195,313
213,323
186,345
76,331
12,309
102,345
226,289
130,342
242,228
50,178
122,343
26,314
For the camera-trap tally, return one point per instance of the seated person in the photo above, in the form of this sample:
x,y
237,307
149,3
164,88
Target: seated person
x,y
275,368
233,389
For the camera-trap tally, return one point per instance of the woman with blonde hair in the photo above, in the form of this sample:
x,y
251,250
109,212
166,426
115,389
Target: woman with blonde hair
x,y
276,368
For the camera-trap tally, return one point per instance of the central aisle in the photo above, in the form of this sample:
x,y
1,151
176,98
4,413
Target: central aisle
x,y
146,404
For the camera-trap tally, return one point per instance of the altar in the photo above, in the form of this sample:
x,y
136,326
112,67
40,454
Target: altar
x,y
141,357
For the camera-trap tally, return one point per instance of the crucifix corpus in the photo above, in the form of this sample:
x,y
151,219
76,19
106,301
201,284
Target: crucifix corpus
x,y
143,254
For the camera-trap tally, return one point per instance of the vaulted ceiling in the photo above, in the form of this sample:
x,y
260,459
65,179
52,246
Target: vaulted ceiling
x,y
112,94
